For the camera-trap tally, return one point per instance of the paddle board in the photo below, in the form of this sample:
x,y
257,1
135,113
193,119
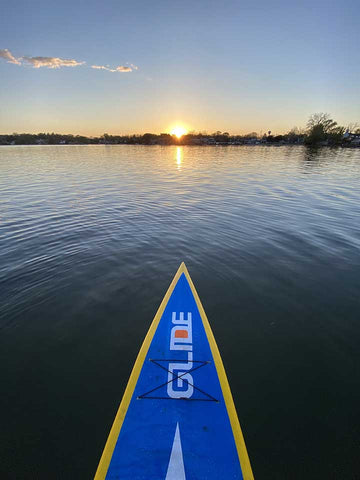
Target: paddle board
x,y
177,419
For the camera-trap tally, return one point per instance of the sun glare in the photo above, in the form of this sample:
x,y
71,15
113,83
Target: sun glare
x,y
178,131
178,156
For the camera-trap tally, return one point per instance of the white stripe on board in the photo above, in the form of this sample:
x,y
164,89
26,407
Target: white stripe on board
x,y
176,470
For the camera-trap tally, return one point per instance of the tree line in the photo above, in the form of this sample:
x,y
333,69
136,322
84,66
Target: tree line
x,y
321,129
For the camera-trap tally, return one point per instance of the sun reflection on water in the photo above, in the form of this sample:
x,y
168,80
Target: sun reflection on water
x,y
179,155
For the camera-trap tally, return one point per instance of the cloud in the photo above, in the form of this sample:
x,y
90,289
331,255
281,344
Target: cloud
x,y
120,68
56,62
100,67
51,62
9,57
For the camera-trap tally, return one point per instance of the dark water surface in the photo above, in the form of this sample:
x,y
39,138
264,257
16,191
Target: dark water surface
x,y
90,238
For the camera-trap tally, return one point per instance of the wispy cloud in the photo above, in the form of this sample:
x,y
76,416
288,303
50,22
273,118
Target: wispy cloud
x,y
37,62
51,62
120,68
56,62
101,67
9,57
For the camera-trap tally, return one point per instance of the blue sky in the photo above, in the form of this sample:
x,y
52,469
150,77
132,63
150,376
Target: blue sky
x,y
237,66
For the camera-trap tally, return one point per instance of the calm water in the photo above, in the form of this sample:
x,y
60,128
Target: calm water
x,y
90,238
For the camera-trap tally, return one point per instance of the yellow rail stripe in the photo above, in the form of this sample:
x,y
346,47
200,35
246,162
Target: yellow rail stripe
x,y
229,402
124,405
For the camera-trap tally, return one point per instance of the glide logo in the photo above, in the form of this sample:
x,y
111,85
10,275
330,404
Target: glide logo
x,y
181,339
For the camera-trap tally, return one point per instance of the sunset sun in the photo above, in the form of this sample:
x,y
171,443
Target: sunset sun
x,y
178,131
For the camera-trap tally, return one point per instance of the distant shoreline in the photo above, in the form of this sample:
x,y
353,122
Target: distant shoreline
x,y
293,138
264,144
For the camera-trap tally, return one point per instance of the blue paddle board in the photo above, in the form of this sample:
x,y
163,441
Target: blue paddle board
x,y
177,419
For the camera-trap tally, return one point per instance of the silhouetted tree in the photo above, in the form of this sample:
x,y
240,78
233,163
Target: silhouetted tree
x,y
322,128
322,120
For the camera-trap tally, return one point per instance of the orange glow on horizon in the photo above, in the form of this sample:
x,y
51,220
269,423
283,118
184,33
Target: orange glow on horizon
x,y
178,131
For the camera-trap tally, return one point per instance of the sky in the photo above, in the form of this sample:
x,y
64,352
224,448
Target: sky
x,y
231,65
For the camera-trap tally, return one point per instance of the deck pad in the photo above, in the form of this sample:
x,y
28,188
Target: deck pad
x,y
177,419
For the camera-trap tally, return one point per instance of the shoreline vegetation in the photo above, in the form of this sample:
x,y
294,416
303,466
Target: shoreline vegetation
x,y
321,131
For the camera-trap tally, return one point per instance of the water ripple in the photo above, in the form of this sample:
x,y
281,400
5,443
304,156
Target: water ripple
x,y
89,240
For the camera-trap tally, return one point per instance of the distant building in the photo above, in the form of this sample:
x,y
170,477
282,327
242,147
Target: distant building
x,y
352,138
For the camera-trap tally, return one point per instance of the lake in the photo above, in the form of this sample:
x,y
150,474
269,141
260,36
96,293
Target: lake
x,y
90,238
